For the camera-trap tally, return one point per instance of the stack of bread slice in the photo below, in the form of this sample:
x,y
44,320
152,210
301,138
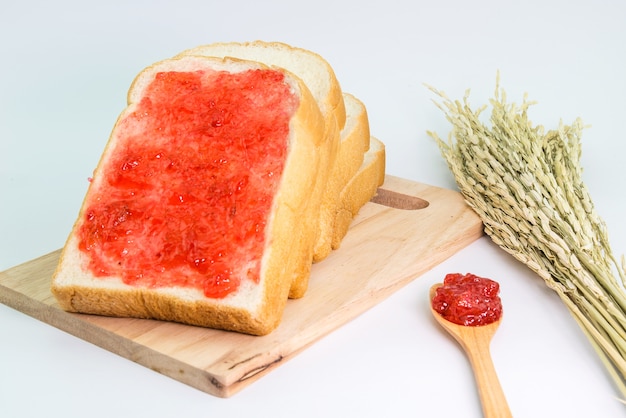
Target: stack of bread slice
x,y
329,167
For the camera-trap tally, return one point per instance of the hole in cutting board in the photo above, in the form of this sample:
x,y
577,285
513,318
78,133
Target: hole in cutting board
x,y
398,200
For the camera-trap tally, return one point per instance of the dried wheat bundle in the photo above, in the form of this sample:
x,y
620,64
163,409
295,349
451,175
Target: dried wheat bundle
x,y
526,186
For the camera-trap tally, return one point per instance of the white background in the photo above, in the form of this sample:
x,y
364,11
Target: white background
x,y
66,67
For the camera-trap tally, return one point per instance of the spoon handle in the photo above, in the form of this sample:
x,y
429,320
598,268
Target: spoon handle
x,y
491,394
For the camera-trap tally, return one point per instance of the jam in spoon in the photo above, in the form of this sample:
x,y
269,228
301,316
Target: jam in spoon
x,y
475,340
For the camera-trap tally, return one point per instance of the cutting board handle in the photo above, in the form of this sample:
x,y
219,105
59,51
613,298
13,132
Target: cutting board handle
x,y
398,200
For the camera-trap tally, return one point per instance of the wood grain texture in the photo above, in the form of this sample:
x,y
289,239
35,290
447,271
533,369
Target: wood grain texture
x,y
385,249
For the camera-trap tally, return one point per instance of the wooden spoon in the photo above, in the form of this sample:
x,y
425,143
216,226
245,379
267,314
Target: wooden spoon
x,y
475,341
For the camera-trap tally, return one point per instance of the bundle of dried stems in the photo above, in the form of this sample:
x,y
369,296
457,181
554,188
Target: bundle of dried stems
x,y
526,186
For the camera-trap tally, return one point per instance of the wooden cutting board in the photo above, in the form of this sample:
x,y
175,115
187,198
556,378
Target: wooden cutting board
x,y
405,231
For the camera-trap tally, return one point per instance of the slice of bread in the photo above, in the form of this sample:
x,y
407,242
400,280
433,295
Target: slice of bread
x,y
354,143
321,80
183,192
359,190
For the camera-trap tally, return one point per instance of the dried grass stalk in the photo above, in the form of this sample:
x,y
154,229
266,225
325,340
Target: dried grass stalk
x,y
526,186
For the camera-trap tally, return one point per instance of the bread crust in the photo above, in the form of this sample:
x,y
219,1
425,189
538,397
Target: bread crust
x,y
359,190
77,290
355,141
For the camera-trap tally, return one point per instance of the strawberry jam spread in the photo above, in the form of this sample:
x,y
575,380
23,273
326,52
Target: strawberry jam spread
x,y
468,300
185,197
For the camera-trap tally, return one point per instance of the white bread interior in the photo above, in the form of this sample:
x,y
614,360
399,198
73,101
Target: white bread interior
x,y
253,309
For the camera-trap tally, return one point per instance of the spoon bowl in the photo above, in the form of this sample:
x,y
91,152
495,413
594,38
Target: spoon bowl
x,y
475,341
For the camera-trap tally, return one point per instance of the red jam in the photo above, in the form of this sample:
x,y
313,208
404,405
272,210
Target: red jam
x,y
468,300
185,197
